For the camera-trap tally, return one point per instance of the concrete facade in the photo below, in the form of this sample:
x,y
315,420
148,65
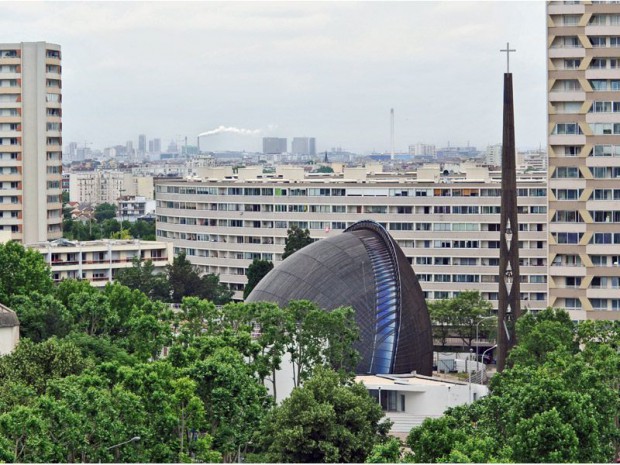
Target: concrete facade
x,y
9,330
447,226
99,261
409,400
584,157
31,140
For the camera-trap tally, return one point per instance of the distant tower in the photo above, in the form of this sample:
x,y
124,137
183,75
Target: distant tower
x,y
392,133
509,308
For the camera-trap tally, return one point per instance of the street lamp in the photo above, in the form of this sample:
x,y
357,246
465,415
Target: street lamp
x,y
485,352
478,327
116,446
134,439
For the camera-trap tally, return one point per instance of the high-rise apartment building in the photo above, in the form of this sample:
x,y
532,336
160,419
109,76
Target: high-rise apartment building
x,y
141,144
274,145
303,146
30,141
584,157
422,150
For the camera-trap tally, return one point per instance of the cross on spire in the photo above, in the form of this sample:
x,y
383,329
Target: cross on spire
x,y
508,50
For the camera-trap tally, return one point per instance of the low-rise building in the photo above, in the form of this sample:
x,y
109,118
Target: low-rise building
x,y
409,399
99,261
130,207
9,330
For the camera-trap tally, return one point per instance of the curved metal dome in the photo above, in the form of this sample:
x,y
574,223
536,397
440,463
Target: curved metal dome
x,y
363,268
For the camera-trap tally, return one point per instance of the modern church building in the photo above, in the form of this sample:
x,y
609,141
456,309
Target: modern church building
x,y
364,268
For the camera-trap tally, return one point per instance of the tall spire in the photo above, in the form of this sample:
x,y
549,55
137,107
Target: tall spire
x,y
509,276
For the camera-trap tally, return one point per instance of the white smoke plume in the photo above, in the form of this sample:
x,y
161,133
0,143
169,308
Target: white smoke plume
x,y
220,129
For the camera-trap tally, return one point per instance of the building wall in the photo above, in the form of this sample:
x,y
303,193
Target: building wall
x,y
303,146
31,146
99,261
9,337
583,60
448,230
97,187
274,145
422,397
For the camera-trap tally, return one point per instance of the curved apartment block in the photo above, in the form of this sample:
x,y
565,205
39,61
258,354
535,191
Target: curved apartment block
x,y
447,226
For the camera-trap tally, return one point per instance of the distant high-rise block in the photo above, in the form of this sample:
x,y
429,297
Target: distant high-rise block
x,y
303,146
274,145
493,155
31,141
422,150
157,145
141,144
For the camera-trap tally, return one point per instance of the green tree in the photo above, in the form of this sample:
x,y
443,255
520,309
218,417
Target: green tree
x,y
441,320
213,290
105,211
234,400
553,404
36,365
41,316
460,316
317,337
296,239
324,421
144,230
142,276
22,271
386,452
257,270
183,278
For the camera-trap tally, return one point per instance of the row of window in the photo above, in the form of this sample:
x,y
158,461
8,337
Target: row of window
x,y
598,129
474,261
606,150
475,278
597,194
351,192
436,209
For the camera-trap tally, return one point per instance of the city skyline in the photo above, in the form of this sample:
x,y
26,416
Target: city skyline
x,y
286,69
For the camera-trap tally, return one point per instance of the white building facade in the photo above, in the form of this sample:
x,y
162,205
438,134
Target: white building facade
x,y
99,261
448,228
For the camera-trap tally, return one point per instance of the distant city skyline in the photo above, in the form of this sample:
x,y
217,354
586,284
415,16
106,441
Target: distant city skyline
x,y
330,70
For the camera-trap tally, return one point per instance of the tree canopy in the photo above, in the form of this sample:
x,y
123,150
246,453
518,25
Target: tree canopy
x,y
296,239
327,420
555,402
97,367
105,211
257,270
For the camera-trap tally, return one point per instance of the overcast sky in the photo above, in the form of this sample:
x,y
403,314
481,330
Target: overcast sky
x,y
331,70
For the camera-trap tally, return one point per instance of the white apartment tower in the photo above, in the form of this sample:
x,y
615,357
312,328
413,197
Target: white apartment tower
x,y
584,157
30,141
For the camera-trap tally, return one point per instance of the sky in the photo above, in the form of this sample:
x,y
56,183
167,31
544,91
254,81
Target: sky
x,y
330,70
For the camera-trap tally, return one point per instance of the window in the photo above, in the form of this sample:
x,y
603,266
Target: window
x,y
566,172
401,226
567,128
568,237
